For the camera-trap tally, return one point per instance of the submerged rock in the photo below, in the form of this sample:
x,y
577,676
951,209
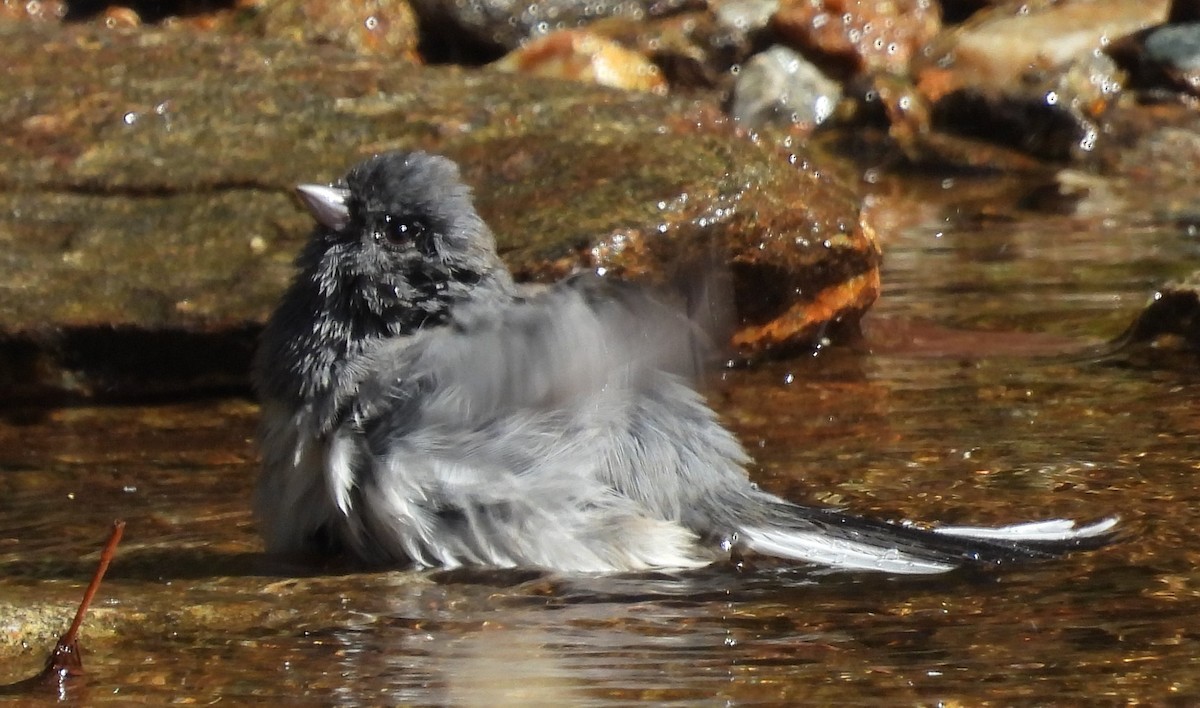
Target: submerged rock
x,y
1172,316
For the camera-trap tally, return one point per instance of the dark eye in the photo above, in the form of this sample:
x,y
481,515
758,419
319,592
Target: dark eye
x,y
400,230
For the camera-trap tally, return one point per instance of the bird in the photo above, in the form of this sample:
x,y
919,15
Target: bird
x,y
421,408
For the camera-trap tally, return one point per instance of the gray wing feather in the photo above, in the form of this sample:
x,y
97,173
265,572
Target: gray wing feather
x,y
504,437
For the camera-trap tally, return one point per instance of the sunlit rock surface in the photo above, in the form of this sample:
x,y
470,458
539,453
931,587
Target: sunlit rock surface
x,y
146,208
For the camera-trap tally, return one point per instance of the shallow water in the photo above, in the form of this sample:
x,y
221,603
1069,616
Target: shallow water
x,y
976,405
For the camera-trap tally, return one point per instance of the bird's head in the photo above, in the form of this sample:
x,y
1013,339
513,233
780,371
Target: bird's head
x,y
397,243
397,239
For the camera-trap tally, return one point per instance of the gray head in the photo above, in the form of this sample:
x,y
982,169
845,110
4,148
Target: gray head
x,y
397,243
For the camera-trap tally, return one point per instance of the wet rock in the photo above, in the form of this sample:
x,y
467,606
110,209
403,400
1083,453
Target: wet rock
x,y
496,26
1162,60
1175,50
1165,332
1175,45
1174,310
886,122
119,18
576,55
997,44
35,11
745,17
1156,147
780,86
895,99
380,27
145,195
859,35
1031,75
33,625
695,49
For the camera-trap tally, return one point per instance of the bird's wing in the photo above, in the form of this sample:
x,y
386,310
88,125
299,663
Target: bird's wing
x,y
560,346
485,441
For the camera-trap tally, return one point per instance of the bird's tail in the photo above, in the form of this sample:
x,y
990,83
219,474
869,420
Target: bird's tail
x,y
839,540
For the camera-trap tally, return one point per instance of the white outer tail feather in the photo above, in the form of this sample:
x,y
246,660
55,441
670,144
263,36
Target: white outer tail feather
x,y
815,547
1049,530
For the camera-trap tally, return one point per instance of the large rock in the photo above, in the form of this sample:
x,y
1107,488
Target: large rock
x,y
149,226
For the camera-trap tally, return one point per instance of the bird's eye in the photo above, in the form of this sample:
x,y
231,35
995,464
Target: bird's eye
x,y
400,230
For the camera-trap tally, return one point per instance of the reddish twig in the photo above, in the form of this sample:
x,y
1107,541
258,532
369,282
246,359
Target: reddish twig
x,y
106,556
66,660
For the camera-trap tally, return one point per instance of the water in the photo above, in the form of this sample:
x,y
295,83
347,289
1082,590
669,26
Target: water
x,y
975,407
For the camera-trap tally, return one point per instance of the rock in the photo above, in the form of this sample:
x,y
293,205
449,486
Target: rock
x,y
1031,75
380,27
576,55
695,49
118,17
695,46
745,17
780,86
1154,150
386,28
1165,333
859,35
35,11
497,26
148,224
1175,50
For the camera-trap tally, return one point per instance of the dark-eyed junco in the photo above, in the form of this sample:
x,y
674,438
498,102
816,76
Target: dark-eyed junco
x,y
420,407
